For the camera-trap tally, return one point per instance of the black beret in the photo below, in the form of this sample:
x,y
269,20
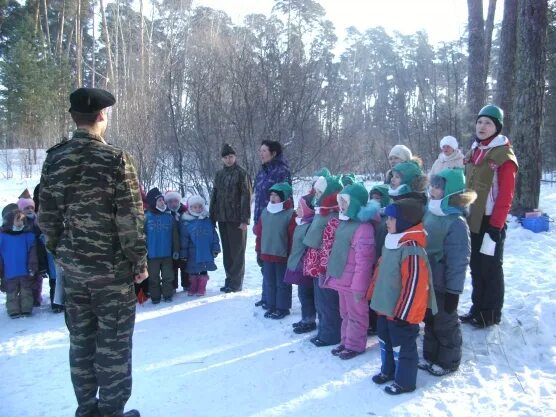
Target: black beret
x,y
90,100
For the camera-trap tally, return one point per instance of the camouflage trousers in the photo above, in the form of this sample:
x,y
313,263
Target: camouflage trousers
x,y
100,317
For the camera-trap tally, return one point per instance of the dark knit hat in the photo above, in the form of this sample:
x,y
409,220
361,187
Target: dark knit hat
x,y
227,150
153,195
8,209
407,212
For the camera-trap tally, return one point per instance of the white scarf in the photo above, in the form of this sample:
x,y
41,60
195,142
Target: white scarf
x,y
434,208
275,207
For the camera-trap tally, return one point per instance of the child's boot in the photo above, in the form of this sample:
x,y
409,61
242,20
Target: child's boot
x,y
193,284
203,279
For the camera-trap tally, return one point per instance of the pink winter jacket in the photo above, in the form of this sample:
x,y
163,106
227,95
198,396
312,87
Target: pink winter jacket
x,y
360,263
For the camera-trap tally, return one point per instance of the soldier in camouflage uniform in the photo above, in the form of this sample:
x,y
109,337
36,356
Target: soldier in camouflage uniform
x,y
92,216
230,206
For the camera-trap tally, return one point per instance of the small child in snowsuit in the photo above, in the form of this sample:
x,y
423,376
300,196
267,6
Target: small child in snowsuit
x,y
199,244
349,251
400,293
449,250
408,181
173,201
27,206
18,264
326,299
378,193
162,245
274,231
294,272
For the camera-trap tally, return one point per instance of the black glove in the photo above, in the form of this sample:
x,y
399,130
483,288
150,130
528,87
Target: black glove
x,y
450,302
494,233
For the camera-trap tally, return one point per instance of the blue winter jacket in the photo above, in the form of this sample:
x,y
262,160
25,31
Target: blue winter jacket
x,y
199,243
271,173
15,252
160,234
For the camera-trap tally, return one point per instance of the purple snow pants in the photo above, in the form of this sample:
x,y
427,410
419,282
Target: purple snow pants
x,y
355,321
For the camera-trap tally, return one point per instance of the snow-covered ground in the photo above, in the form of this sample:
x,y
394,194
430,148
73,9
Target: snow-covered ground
x,y
218,356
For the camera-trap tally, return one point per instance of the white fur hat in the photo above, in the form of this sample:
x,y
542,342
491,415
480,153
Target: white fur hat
x,y
171,194
195,199
451,141
402,152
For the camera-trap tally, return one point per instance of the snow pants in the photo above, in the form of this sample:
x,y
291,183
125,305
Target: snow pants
x,y
278,293
355,321
398,350
328,313
306,295
442,342
19,295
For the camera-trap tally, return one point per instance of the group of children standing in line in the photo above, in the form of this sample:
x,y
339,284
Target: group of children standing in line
x,y
395,249
179,236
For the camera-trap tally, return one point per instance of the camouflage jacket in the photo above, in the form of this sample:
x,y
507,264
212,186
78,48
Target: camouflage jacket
x,y
91,209
231,196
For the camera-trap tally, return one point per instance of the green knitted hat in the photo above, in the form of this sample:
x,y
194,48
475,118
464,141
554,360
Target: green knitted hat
x,y
323,172
455,183
347,179
358,198
283,189
381,189
408,171
327,186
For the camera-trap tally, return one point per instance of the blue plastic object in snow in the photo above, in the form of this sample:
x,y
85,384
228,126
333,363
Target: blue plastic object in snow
x,y
536,224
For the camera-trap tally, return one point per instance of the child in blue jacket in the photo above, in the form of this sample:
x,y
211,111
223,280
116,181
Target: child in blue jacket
x,y
162,246
18,264
199,244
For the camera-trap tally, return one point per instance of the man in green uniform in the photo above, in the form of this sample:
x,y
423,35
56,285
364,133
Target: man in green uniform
x,y
92,217
230,206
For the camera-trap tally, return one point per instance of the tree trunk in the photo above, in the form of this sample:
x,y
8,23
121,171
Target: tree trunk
x,y
529,101
110,75
476,73
506,63
93,53
489,26
78,45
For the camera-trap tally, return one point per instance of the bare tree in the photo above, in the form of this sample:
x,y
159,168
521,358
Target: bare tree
x,y
529,101
506,63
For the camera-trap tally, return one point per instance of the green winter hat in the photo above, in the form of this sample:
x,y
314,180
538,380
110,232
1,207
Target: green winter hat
x,y
323,172
382,190
358,198
454,184
347,179
493,112
283,189
327,186
408,172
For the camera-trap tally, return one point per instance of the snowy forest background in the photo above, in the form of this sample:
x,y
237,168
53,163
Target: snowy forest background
x,y
187,79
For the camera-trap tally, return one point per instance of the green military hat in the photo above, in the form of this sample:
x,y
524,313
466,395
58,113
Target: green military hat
x,y
90,100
